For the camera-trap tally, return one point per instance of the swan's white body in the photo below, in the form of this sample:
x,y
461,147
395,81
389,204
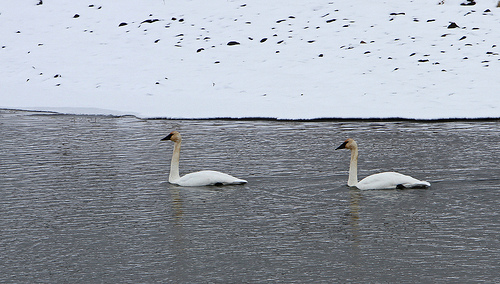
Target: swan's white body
x,y
390,180
385,180
201,178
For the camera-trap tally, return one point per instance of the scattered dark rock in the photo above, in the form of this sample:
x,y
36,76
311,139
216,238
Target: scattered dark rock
x,y
452,25
331,20
367,52
57,76
398,14
156,41
423,60
91,5
280,21
310,41
174,19
149,21
291,17
320,55
487,11
233,43
277,51
76,16
280,42
179,35
181,20
40,3
200,49
469,3
412,54
217,62
462,38
157,83
122,24
431,20
263,40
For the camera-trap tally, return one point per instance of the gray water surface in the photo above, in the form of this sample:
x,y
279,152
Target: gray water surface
x,y
86,199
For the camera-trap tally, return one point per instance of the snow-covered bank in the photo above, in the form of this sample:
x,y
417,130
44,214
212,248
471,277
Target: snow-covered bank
x,y
281,59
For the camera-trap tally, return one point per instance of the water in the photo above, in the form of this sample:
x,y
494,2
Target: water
x,y
86,199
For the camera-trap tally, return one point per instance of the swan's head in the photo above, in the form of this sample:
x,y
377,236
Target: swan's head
x,y
174,136
348,144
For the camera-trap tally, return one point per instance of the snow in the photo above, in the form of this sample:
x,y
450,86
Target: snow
x,y
321,59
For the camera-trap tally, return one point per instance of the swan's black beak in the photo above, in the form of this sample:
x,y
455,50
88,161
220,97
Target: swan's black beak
x,y
167,137
342,146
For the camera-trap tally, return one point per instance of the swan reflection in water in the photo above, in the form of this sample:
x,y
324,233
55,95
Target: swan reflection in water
x,y
385,180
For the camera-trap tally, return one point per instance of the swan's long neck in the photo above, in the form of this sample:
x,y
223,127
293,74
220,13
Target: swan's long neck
x,y
174,164
353,168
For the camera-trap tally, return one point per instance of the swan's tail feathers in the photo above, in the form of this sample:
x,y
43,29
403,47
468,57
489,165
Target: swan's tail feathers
x,y
420,184
239,181
230,183
236,181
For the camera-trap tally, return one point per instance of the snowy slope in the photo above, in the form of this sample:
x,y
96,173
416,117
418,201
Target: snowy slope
x,y
285,59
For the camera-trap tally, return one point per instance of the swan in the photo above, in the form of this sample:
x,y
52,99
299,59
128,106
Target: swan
x,y
385,180
200,178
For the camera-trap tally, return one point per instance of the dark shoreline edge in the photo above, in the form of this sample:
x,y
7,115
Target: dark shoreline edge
x,y
319,119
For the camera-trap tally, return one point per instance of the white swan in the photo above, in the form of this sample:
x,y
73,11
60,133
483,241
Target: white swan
x,y
200,178
386,180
